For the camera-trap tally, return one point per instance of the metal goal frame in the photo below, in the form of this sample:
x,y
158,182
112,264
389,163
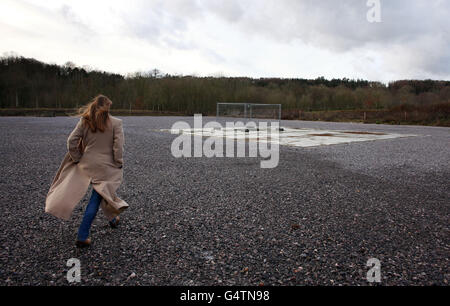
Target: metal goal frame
x,y
248,108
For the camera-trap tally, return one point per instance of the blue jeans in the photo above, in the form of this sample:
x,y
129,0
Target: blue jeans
x,y
89,215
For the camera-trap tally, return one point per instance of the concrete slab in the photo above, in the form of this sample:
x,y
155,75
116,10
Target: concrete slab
x,y
291,136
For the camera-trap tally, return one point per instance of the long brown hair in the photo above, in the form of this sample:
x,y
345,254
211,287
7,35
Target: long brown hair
x,y
96,113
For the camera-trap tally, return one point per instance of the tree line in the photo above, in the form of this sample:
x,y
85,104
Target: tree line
x,y
29,83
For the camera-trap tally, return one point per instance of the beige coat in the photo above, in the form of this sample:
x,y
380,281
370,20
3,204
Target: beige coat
x,y
100,164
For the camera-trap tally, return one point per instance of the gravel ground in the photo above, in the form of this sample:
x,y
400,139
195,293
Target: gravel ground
x,y
314,220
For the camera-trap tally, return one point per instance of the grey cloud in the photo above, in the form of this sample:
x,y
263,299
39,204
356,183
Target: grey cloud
x,y
213,56
69,15
230,11
165,23
341,26
161,21
413,35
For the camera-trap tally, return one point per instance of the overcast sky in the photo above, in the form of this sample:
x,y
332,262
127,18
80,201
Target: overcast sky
x,y
255,38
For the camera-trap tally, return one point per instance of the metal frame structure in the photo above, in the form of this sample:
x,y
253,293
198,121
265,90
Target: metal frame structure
x,y
249,106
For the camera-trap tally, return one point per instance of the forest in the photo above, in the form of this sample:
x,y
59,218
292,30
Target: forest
x,y
27,83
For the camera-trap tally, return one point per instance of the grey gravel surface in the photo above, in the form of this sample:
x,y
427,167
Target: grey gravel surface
x,y
314,220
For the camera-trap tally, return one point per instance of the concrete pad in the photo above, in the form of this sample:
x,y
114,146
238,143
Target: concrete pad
x,y
292,137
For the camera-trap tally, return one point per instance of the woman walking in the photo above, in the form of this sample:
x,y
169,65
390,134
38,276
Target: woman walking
x,y
95,156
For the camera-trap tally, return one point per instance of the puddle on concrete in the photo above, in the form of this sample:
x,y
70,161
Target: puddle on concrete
x,y
364,133
324,135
